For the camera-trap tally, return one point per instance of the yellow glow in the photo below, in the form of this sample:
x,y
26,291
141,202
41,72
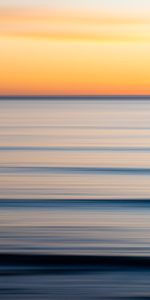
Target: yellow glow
x,y
64,54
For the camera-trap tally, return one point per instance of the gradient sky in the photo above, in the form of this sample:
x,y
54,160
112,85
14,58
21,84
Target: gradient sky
x,y
74,47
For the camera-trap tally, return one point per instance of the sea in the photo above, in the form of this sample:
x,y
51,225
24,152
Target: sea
x,y
75,198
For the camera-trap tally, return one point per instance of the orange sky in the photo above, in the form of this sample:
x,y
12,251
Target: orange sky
x,y
58,52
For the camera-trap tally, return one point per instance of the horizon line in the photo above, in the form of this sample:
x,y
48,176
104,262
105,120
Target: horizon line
x,y
75,97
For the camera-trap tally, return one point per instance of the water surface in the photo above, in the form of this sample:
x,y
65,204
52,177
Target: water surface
x,y
75,182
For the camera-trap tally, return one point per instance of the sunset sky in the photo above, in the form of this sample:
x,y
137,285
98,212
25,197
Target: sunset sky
x,y
74,47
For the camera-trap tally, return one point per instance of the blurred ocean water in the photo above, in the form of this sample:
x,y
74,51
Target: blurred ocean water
x,y
75,227
75,149
75,182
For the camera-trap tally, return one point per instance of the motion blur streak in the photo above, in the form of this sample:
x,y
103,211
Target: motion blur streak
x,y
74,198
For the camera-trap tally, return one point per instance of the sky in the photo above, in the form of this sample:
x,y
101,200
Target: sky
x,y
74,47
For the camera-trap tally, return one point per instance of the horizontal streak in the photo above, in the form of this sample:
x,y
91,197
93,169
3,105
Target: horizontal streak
x,y
39,16
110,37
72,25
76,203
75,126
74,170
75,149
72,261
75,97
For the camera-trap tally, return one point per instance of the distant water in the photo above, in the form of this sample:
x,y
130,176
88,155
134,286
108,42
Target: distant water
x,y
75,149
75,182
